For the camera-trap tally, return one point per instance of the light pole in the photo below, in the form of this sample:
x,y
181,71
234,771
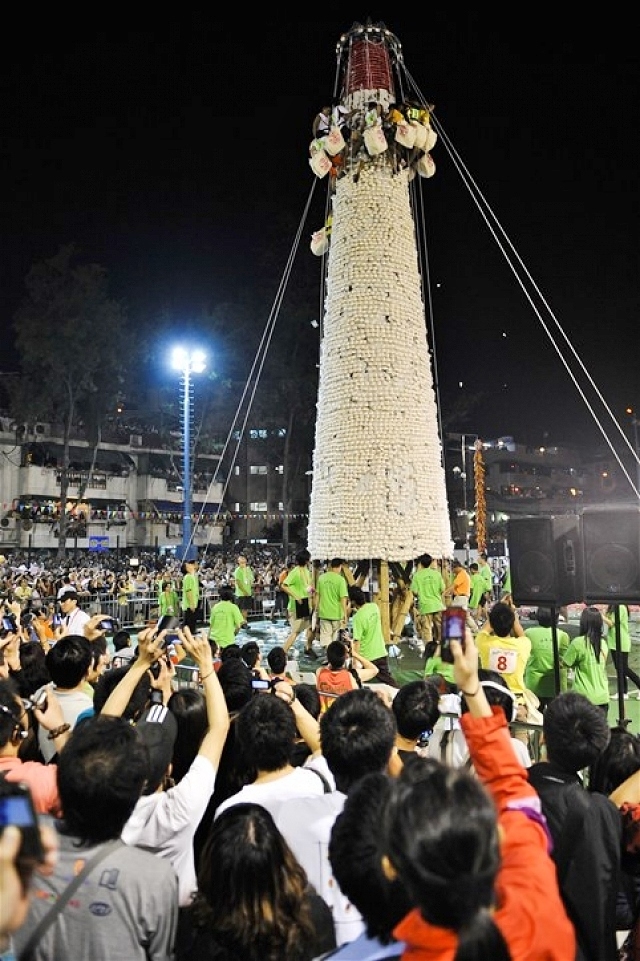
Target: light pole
x,y
188,362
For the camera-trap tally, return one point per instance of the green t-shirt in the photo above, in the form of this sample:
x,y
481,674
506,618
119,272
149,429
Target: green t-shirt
x,y
477,589
539,674
299,581
225,617
435,665
168,603
366,629
625,637
428,584
331,588
590,672
190,583
486,574
243,579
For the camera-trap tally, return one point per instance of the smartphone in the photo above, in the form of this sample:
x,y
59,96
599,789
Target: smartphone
x,y
106,624
454,622
167,622
9,623
57,620
16,807
258,684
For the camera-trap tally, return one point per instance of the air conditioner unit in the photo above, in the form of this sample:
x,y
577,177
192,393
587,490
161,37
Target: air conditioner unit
x,y
8,524
135,440
42,430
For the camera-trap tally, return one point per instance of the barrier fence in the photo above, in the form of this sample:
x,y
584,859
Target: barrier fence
x,y
136,610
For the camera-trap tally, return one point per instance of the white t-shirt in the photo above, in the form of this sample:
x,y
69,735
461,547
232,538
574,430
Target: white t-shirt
x,y
73,703
74,622
166,822
306,825
298,783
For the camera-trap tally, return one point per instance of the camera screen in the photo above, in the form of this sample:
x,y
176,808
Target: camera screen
x,y
17,810
8,623
259,685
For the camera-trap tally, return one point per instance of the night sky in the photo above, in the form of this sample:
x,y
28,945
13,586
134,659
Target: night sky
x,y
174,152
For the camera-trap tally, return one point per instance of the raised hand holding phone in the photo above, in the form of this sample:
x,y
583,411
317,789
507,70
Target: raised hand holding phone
x,y
454,625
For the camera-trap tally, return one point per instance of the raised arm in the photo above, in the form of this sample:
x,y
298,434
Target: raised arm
x,y
199,649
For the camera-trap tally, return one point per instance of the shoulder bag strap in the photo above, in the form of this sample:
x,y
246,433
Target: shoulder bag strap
x,y
54,911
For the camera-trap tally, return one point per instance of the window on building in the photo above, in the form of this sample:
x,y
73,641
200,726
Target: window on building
x,y
236,470
258,469
280,469
258,433
258,506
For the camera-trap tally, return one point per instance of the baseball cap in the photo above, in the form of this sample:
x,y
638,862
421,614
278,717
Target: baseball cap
x,y
158,729
68,590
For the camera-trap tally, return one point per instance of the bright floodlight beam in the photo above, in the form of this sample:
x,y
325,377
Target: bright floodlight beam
x,y
187,362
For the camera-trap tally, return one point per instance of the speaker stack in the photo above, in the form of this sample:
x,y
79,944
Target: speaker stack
x,y
611,542
546,560
568,560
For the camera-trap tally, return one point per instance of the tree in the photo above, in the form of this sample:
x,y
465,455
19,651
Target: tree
x,y
73,347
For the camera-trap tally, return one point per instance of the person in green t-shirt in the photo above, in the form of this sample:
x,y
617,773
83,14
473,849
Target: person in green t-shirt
x,y
366,631
299,588
587,655
476,599
484,569
539,674
621,660
168,600
243,578
428,586
190,594
331,602
225,619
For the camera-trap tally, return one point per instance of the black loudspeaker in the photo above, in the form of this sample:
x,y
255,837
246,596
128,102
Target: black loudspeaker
x,y
611,541
545,560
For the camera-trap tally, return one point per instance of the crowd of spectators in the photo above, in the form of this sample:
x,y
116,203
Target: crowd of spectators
x,y
257,815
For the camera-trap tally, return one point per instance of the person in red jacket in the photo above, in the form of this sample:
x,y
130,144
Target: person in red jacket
x,y
474,857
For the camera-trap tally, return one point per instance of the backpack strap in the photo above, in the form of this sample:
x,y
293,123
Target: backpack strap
x,y
327,787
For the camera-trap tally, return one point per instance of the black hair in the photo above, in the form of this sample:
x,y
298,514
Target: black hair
x,y
252,896
225,593
447,861
266,731
302,558
10,711
502,618
309,697
250,653
415,708
544,617
107,683
357,596
101,774
424,559
591,627
336,562
618,761
69,660
337,654
355,852
357,735
121,639
575,731
189,707
235,681
231,652
277,659
33,673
